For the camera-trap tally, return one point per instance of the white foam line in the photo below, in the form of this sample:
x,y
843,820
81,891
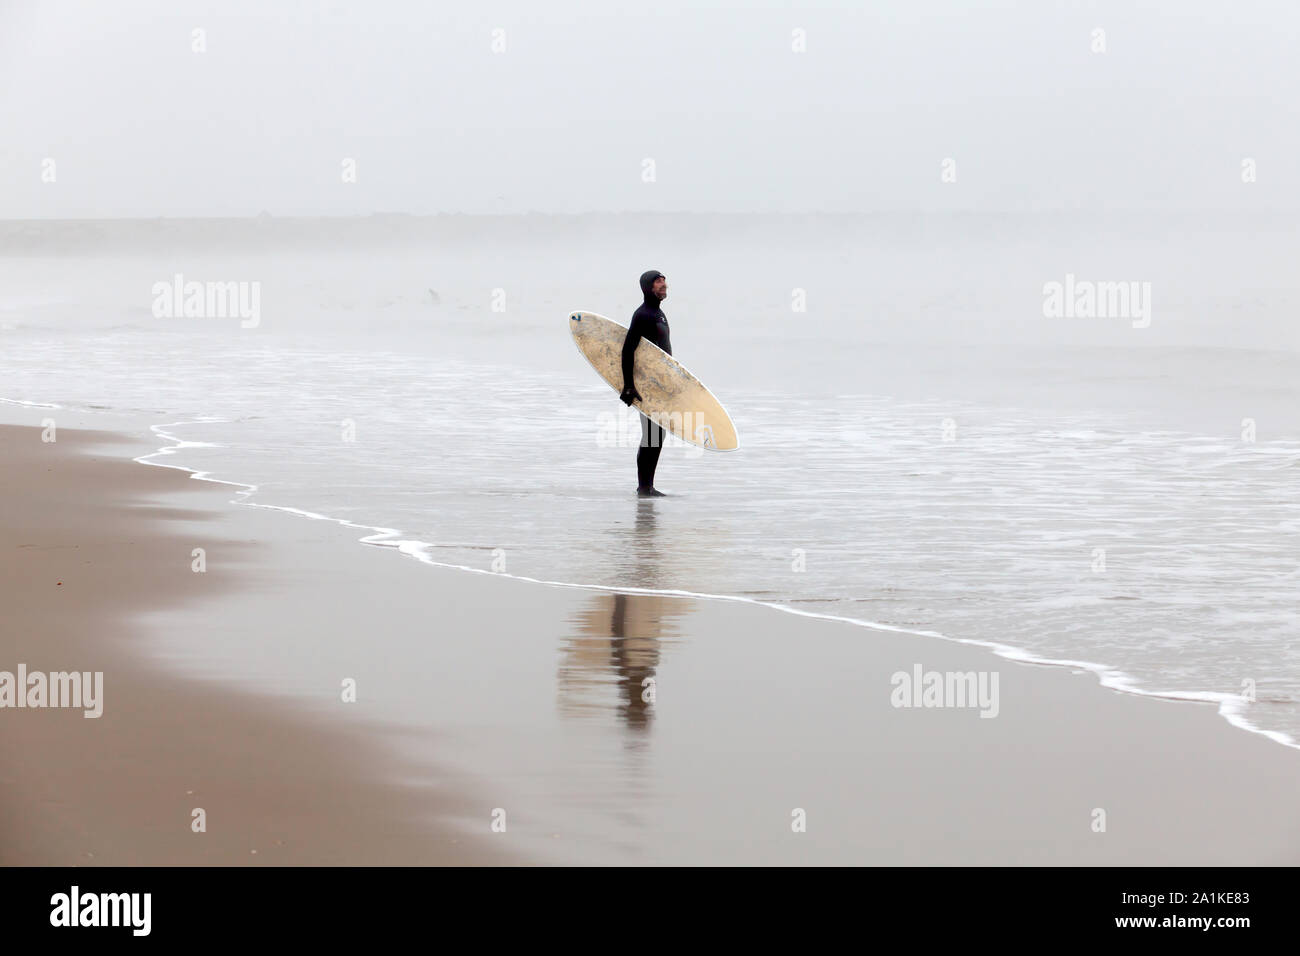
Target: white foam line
x,y
1232,707
17,401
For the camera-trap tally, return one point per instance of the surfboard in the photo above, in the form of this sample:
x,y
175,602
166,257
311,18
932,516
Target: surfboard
x,y
671,396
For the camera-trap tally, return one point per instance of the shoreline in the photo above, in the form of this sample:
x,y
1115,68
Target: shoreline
x,y
1231,707
805,715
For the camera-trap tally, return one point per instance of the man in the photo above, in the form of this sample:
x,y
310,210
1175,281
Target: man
x,y
650,323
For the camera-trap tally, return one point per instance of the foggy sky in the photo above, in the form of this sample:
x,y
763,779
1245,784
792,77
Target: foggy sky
x,y
138,124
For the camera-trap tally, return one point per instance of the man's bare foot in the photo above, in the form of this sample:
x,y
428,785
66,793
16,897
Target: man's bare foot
x,y
649,493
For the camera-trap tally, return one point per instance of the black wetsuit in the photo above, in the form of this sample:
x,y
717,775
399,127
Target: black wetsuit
x,y
650,323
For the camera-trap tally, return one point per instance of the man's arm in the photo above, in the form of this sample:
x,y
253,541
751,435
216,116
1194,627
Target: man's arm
x,y
634,335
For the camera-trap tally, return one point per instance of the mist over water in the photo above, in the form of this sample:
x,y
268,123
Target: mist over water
x,y
921,445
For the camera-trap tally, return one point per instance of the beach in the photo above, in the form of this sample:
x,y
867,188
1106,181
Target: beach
x,y
953,462
327,702
92,542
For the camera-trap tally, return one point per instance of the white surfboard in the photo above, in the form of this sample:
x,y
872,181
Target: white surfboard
x,y
671,396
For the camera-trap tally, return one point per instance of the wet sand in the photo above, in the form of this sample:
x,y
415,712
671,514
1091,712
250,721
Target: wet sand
x,y
599,727
88,540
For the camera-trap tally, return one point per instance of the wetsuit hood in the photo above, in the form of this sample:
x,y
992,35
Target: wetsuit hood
x,y
647,286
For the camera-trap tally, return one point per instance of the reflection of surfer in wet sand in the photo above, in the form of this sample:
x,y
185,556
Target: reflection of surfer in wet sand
x,y
634,659
650,323
619,636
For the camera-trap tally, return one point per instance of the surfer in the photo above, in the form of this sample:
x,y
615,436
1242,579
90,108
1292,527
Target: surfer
x,y
650,323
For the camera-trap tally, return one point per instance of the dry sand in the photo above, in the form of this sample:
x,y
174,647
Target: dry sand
x,y
478,693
